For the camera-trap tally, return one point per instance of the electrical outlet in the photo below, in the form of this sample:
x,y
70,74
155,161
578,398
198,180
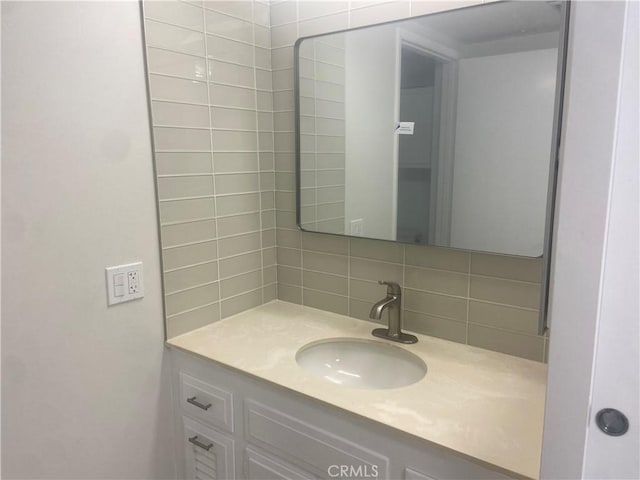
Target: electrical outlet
x,y
134,284
124,283
357,227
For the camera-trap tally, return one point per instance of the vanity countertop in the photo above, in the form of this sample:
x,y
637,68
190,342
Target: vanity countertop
x,y
485,405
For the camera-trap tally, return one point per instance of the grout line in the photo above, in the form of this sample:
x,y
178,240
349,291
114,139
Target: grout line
x,y
322,135
204,129
177,102
322,117
257,118
209,151
224,237
204,241
189,310
231,277
470,299
332,219
208,174
515,332
220,195
189,244
466,336
428,314
184,175
315,160
349,275
217,82
404,274
215,206
327,293
236,255
242,42
181,199
322,170
181,222
315,203
174,24
323,62
439,270
494,277
231,297
191,265
178,52
193,287
322,81
227,14
499,304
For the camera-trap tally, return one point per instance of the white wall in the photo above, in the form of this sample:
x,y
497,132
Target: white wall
x,y
511,96
583,220
616,381
370,80
84,390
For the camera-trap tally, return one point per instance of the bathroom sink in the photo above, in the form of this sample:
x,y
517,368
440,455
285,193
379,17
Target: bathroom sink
x,y
361,363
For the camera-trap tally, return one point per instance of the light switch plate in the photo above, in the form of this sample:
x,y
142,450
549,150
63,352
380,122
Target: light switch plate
x,y
124,283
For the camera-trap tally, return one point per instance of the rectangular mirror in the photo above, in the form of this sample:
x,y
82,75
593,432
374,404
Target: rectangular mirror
x,y
437,130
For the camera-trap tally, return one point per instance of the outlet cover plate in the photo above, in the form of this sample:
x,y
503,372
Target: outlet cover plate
x,y
124,283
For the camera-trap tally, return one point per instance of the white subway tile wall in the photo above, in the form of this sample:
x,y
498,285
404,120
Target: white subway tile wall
x,y
221,83
489,301
209,70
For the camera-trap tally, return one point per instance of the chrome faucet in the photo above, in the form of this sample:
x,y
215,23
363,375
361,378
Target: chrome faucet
x,y
392,303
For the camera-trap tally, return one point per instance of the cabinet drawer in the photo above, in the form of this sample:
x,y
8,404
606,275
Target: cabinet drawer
x,y
209,455
206,402
312,448
260,466
411,474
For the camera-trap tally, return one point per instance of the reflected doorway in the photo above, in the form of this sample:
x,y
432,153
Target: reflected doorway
x,y
426,101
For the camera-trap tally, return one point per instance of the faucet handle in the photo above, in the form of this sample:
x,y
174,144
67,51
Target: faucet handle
x,y
392,287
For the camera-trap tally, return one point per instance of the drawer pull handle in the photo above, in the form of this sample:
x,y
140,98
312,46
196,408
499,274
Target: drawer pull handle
x,y
198,443
193,401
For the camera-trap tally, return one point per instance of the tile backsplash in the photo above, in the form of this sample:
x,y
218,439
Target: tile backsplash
x,y
490,301
221,85
209,68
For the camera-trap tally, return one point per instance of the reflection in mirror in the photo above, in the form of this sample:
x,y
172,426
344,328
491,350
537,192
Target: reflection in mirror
x,y
436,130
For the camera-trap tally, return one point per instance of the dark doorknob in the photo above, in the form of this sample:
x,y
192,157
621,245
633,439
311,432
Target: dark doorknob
x,y
612,422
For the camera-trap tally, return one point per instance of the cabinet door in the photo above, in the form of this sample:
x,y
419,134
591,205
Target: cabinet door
x,y
260,466
209,455
307,444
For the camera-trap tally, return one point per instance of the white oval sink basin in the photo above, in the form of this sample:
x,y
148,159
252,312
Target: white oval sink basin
x,y
361,363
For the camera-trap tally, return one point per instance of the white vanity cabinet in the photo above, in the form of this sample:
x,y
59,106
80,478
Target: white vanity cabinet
x,y
247,428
